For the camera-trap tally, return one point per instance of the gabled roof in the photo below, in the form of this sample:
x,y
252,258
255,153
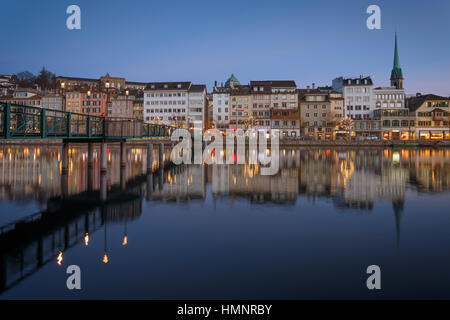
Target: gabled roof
x,y
357,81
414,103
302,93
77,79
240,90
197,88
274,83
183,85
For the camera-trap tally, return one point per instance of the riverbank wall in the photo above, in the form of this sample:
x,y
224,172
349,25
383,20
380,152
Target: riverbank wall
x,y
283,143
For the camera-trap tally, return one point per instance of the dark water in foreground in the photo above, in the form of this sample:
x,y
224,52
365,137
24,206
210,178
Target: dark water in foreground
x,y
204,232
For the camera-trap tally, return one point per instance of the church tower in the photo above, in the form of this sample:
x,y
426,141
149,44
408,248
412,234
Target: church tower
x,y
396,74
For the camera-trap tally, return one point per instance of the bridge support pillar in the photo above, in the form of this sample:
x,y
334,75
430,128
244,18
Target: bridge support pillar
x,y
149,158
123,154
161,155
103,158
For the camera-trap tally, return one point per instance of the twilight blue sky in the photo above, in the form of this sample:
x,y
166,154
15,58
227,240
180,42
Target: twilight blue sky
x,y
203,41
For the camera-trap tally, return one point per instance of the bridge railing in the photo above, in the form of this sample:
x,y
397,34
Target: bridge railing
x,y
21,122
124,127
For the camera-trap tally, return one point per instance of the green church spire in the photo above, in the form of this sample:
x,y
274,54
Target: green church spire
x,y
396,74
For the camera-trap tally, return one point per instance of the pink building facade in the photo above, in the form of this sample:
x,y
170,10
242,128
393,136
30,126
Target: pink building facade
x,y
94,103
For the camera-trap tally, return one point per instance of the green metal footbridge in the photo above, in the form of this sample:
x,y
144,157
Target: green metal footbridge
x,y
24,122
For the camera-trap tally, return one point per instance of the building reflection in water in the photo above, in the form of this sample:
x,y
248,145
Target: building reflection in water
x,y
81,201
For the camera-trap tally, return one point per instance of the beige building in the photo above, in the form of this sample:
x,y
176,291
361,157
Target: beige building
x,y
315,114
112,82
30,101
135,85
121,106
278,98
396,123
432,116
284,108
138,108
106,81
240,104
72,83
336,107
73,102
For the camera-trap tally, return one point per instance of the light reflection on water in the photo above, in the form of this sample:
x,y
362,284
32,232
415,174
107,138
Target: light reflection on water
x,y
226,228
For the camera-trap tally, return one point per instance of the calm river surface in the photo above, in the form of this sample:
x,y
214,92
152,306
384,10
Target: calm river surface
x,y
225,231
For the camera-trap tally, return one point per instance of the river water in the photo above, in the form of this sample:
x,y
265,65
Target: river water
x,y
225,231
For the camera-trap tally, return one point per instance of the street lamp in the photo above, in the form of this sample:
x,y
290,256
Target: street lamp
x,y
63,85
127,92
88,102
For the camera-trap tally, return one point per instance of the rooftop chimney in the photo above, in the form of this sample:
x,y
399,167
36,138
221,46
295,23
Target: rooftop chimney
x,y
313,85
215,83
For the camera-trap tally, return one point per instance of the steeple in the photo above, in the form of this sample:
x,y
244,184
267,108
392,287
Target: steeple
x,y
396,74
232,81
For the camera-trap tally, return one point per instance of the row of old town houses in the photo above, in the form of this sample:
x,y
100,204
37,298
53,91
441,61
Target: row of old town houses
x,y
349,108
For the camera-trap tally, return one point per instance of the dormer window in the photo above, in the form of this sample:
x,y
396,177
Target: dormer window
x,y
153,86
179,86
166,86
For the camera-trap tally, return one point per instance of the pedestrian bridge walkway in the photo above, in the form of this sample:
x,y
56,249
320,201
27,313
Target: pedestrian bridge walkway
x,y
24,122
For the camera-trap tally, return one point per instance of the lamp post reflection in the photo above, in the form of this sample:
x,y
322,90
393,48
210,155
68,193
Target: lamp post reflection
x,y
59,258
105,255
125,237
86,239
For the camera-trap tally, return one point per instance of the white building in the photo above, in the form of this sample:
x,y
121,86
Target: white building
x,y
221,102
174,103
221,107
53,102
358,96
389,98
197,105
